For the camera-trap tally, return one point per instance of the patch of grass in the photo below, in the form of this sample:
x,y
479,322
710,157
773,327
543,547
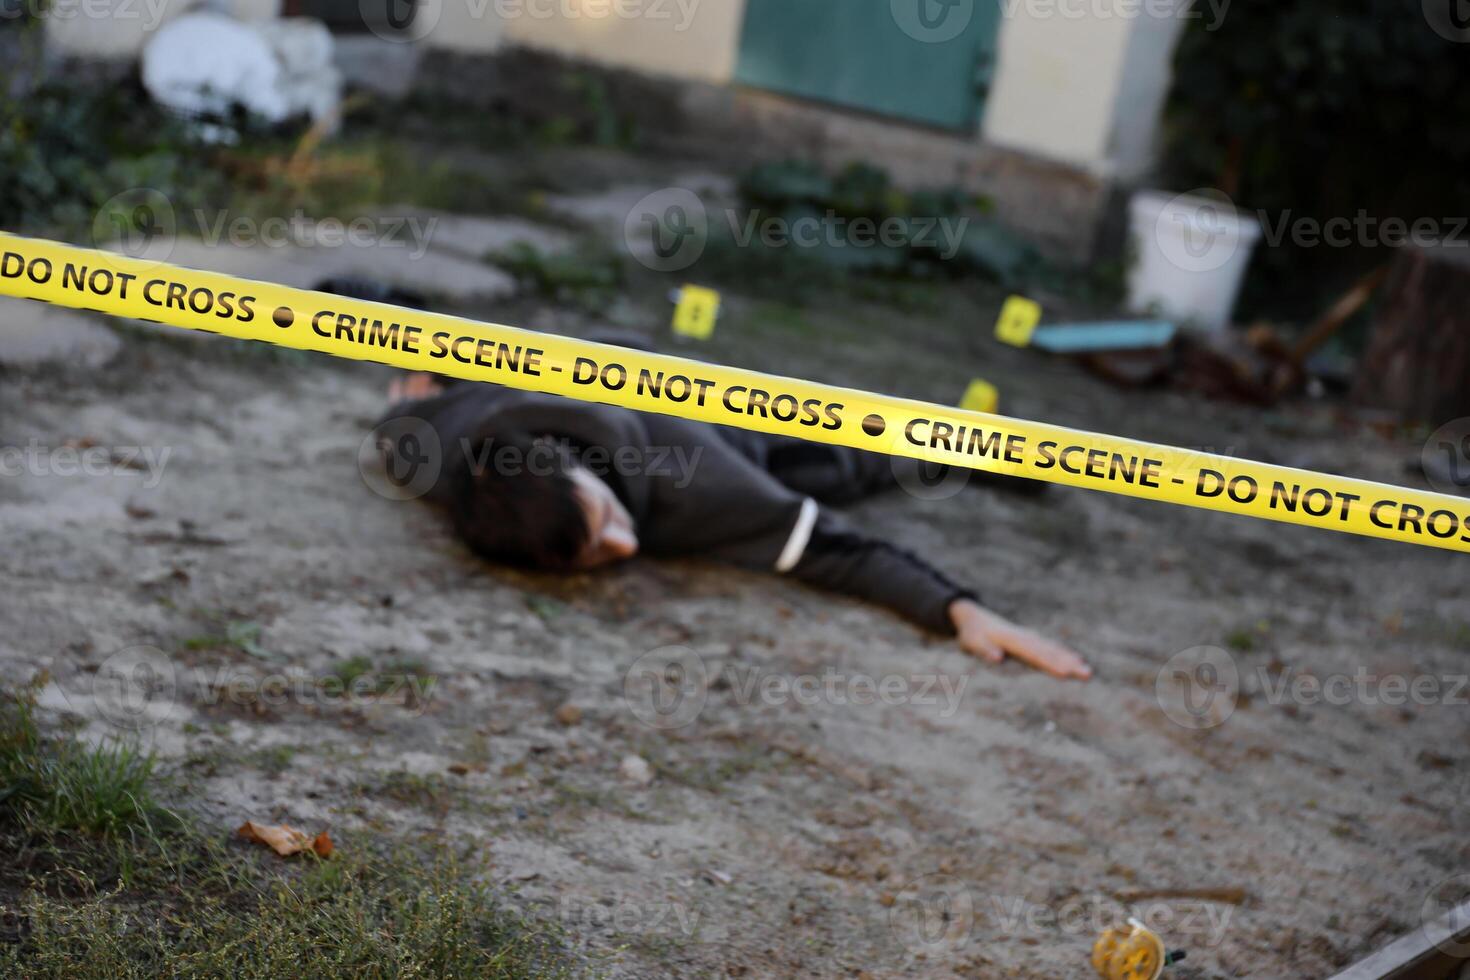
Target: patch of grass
x,y
425,791
361,676
59,784
589,278
1246,639
1241,640
352,668
211,912
83,894
275,760
242,635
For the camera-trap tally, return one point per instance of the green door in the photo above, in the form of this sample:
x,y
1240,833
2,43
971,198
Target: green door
x,y
924,60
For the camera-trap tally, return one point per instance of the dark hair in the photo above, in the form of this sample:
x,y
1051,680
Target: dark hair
x,y
512,501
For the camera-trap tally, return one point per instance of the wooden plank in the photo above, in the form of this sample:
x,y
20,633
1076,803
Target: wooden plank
x,y
1427,953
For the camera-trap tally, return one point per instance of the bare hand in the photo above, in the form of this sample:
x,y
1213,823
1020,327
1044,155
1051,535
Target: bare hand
x,y
984,634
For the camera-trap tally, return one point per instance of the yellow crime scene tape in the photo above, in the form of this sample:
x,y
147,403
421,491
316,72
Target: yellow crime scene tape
x,y
138,287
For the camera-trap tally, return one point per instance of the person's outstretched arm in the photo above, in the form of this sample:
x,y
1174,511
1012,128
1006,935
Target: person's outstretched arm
x,y
837,558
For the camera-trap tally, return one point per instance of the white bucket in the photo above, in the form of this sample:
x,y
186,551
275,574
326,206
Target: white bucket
x,y
1191,253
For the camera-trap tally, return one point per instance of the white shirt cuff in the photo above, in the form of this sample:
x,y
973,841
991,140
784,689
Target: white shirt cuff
x,y
801,534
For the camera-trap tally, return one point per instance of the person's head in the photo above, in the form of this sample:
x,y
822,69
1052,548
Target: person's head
x,y
526,502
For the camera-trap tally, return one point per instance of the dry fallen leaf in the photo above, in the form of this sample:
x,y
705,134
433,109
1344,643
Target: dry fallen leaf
x,y
286,841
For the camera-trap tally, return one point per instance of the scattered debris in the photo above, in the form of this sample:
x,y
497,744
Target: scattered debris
x,y
1224,896
635,769
569,714
1132,952
205,64
1077,338
715,877
285,840
1290,372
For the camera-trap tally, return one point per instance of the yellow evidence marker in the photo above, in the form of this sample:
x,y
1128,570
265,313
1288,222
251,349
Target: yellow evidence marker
x,y
1018,319
980,396
695,312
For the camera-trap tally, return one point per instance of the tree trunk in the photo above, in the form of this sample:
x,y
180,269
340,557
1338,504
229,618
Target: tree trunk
x,y
1417,364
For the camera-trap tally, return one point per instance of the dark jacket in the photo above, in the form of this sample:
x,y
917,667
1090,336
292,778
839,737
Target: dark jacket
x,y
740,497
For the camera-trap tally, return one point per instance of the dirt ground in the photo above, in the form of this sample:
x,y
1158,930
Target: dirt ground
x,y
977,821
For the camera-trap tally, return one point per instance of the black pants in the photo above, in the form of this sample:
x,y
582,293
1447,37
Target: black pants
x,y
833,475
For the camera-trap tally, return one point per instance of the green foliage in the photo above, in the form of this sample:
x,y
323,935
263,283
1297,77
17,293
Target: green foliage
x,y
60,784
205,912
912,246
596,119
96,885
1324,109
588,277
64,152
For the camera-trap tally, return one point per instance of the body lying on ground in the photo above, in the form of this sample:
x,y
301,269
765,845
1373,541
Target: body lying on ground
x,y
550,483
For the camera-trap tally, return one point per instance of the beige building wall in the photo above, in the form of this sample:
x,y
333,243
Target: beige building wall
x,y
694,39
1077,81
1054,87
469,26
120,28
1083,82
107,28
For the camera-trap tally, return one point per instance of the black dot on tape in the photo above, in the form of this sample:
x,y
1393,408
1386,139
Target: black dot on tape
x,y
874,425
283,317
